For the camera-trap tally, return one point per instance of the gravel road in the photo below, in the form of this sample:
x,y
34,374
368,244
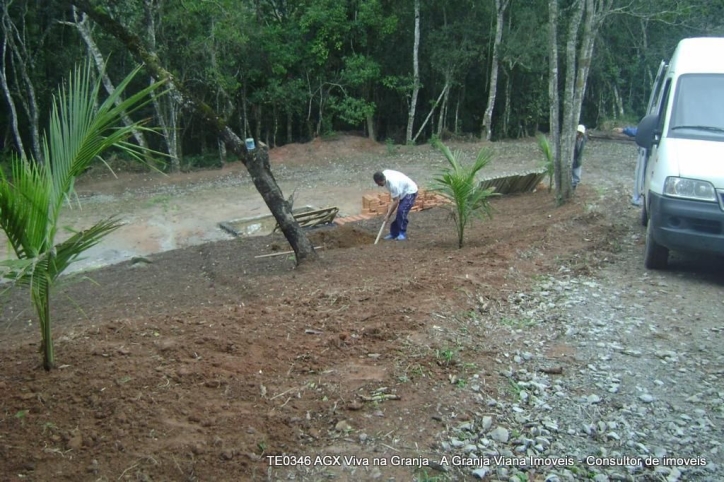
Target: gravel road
x,y
640,396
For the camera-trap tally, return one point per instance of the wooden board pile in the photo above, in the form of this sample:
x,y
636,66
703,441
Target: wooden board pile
x,y
515,183
377,204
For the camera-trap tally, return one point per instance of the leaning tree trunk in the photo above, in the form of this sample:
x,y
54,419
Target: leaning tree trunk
x,y
81,24
443,110
500,6
432,111
256,161
416,75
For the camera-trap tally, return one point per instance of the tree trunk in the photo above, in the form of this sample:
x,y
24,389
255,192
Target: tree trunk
x,y
276,126
166,109
617,103
11,104
554,100
461,97
82,26
570,116
256,161
40,295
290,137
506,110
578,65
500,6
370,119
596,13
432,111
416,76
443,111
320,114
257,115
22,58
222,152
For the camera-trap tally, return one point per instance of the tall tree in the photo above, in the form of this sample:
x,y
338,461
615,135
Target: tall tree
x,y
166,107
580,41
256,161
500,7
554,99
415,75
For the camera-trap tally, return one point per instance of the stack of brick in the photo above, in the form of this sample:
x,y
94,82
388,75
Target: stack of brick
x,y
377,204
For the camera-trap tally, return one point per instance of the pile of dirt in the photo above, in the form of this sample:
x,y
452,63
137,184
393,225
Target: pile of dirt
x,y
341,237
322,150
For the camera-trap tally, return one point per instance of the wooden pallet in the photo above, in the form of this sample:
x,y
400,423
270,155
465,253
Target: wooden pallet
x,y
314,218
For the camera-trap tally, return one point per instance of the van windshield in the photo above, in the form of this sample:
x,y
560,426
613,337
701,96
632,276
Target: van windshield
x,y
698,109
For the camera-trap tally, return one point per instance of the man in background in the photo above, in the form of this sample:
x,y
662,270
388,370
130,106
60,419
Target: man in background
x,y
578,155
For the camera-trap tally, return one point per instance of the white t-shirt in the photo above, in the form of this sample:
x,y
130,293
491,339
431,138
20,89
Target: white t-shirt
x,y
398,184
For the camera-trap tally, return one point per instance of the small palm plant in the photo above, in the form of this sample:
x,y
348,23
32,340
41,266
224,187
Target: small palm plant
x,y
459,185
548,164
32,197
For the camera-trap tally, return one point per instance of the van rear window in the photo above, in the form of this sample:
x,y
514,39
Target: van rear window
x,y
698,108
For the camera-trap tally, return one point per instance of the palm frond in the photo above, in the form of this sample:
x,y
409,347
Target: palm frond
x,y
68,251
79,132
24,207
548,161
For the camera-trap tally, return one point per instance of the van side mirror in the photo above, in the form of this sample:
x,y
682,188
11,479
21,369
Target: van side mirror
x,y
646,131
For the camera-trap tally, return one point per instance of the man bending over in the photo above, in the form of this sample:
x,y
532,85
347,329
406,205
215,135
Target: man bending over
x,y
403,192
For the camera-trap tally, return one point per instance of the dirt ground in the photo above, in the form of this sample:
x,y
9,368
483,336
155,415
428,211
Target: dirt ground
x,y
207,359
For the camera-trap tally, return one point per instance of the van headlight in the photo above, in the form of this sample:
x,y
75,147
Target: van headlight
x,y
689,189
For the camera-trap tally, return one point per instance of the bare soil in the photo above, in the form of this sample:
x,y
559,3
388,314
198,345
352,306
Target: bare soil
x,y
204,361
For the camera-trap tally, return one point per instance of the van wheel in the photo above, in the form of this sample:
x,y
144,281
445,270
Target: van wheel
x,y
655,255
644,213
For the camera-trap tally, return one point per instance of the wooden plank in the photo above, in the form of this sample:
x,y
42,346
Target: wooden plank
x,y
280,253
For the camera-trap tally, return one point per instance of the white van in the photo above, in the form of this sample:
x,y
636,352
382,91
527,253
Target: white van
x,y
682,154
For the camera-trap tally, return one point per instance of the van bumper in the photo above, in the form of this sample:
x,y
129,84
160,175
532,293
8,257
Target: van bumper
x,y
686,225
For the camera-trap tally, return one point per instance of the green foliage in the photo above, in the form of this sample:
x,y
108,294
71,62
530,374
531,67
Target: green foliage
x,y
390,145
352,110
459,184
32,197
272,66
445,355
548,159
325,21
208,160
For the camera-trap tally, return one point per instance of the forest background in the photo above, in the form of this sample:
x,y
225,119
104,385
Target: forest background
x,y
283,71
